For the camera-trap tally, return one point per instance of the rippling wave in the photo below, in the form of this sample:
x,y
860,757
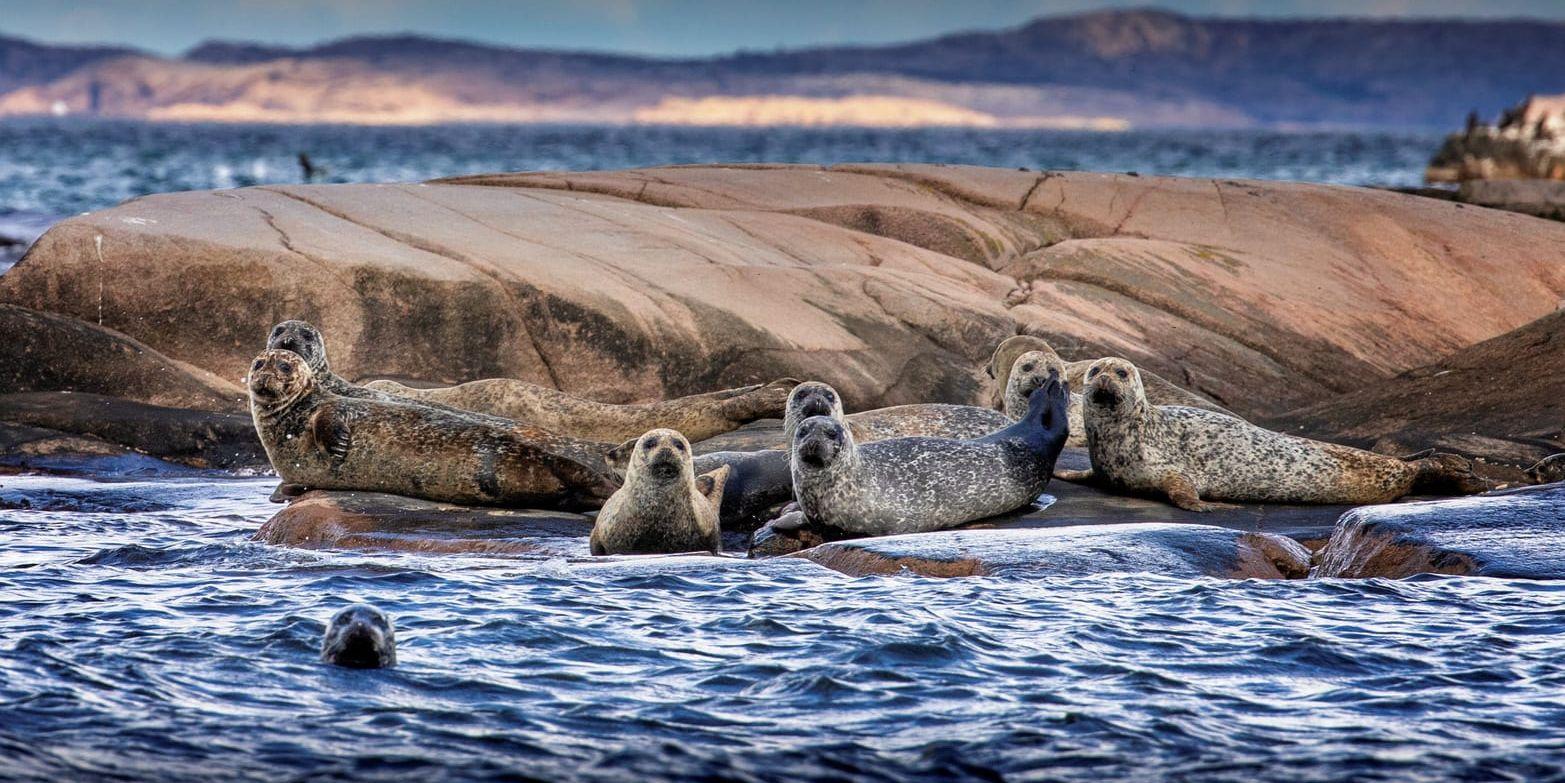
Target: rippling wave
x,y
157,642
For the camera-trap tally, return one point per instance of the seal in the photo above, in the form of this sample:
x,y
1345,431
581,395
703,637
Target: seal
x,y
326,441
360,637
308,342
1196,456
699,416
915,485
1159,390
1548,470
759,481
664,507
1032,371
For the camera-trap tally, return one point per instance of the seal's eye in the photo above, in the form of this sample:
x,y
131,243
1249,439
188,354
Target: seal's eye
x,y
286,368
309,334
1093,373
257,366
277,330
650,442
677,445
1122,374
1028,367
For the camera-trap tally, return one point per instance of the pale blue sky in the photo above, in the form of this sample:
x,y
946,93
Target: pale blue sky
x,y
664,27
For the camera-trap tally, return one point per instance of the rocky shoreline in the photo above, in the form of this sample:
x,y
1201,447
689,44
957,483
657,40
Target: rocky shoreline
x,y
1375,319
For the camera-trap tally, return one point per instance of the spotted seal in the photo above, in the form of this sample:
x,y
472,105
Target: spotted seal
x,y
760,481
322,440
699,416
360,637
1159,390
1029,373
1196,456
914,485
664,507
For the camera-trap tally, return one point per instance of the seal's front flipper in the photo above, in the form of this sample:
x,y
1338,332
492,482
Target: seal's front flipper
x,y
1182,493
333,433
1078,476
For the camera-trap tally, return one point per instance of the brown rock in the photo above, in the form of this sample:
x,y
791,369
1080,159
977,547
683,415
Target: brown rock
x,y
1518,534
1503,399
198,439
47,352
890,282
1164,549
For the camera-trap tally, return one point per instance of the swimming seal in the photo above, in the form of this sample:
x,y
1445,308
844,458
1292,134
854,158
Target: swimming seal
x,y
327,441
1196,456
1159,390
360,637
699,416
664,507
915,485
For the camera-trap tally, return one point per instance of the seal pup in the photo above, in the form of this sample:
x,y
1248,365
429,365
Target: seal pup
x,y
664,507
1196,456
1159,390
915,485
360,637
327,441
699,416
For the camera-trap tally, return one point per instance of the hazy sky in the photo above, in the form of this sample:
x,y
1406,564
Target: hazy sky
x,y
668,27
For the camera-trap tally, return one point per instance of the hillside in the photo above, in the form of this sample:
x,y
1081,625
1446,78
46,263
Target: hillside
x,y
1099,70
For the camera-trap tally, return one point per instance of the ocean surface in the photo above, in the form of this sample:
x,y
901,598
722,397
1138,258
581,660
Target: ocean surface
x,y
143,636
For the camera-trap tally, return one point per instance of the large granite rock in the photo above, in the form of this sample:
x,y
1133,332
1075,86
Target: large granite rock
x,y
893,283
1502,399
1518,534
1163,549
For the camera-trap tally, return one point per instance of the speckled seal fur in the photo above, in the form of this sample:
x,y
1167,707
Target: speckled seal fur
x,y
934,420
915,485
1029,373
664,507
308,342
1159,390
1548,470
1195,456
322,440
699,416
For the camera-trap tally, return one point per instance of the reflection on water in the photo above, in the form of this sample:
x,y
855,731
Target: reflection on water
x,y
143,636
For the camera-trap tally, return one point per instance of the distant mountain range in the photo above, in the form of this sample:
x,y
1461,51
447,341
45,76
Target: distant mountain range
x,y
1100,70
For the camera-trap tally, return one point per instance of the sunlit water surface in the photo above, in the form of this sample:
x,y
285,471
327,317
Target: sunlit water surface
x,y
144,636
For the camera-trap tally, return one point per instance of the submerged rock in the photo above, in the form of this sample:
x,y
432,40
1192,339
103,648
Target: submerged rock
x,y
1165,549
1519,534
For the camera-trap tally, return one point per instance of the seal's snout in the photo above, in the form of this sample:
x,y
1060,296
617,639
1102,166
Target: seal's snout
x,y
360,637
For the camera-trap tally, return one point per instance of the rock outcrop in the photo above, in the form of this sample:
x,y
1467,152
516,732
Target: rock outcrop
x,y
1163,549
890,282
1528,142
1518,534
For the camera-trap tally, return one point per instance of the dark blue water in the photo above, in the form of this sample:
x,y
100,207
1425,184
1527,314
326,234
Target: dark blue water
x,y
144,637
64,167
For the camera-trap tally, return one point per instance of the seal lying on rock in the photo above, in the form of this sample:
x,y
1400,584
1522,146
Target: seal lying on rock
x,y
914,485
699,416
1159,390
360,637
762,480
1195,456
326,441
664,507
1548,470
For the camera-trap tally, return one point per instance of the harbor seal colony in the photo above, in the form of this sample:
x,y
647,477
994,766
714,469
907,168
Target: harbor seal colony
x,y
360,637
699,416
322,440
1196,456
1159,390
663,507
915,485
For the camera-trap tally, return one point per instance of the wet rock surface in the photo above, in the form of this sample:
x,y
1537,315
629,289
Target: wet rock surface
x,y
1518,534
320,519
1165,549
194,438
